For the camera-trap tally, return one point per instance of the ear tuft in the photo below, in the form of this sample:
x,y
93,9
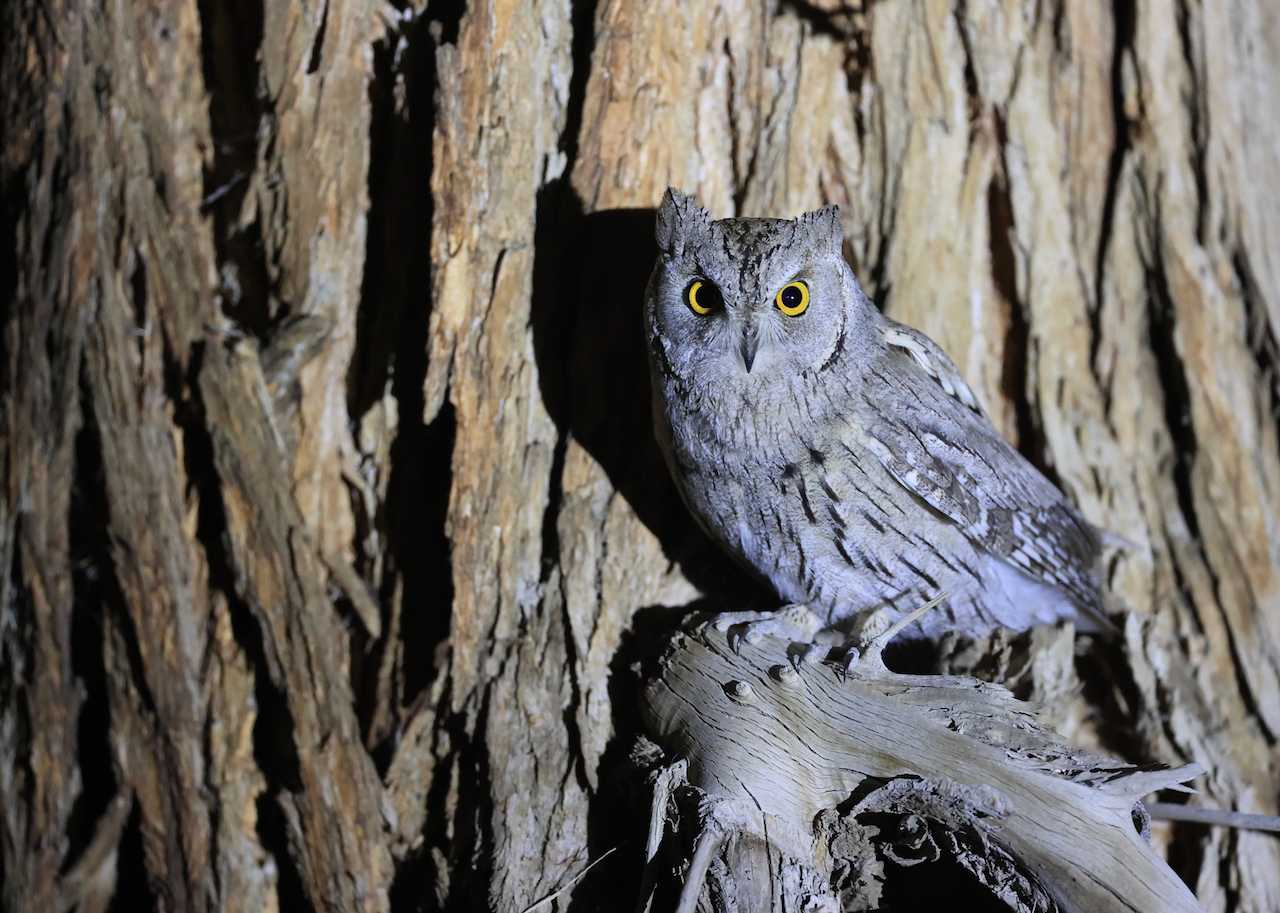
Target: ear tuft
x,y
680,219
827,228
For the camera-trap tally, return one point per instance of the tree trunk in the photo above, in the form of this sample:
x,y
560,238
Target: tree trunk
x,y
332,521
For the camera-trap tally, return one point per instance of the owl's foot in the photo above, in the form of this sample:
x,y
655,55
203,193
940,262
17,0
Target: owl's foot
x,y
870,624
865,652
796,623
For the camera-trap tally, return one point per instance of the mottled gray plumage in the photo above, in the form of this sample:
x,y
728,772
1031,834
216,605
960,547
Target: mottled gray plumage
x,y
838,453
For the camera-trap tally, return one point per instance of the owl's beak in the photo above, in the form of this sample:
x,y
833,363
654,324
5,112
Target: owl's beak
x,y
748,345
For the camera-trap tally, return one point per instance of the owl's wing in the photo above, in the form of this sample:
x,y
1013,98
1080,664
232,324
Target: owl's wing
x,y
927,429
932,360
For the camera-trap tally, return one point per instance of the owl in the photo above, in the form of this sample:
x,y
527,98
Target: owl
x,y
837,453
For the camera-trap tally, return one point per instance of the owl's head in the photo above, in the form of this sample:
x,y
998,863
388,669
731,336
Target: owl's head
x,y
746,301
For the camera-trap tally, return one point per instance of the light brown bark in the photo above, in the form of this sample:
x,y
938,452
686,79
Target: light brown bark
x,y
332,521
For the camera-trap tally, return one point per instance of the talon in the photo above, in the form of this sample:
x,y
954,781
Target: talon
x,y
812,653
850,660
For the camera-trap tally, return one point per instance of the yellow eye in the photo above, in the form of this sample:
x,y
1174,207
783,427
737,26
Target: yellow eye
x,y
793,299
703,297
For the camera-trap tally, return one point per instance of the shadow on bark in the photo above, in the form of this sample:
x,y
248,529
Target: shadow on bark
x,y
391,354
587,315
97,592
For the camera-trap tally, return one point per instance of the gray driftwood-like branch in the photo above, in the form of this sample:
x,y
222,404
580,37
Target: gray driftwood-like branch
x,y
794,772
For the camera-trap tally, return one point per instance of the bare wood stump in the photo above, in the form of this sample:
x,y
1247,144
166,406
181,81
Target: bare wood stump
x,y
790,766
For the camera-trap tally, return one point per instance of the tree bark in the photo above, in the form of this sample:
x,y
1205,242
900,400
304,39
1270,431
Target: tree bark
x,y
332,522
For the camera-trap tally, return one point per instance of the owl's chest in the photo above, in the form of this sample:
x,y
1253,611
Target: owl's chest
x,y
754,479
778,420
729,452
742,456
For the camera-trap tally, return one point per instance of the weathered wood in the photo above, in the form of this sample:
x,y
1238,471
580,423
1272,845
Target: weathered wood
x,y
112,135
334,811
774,751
